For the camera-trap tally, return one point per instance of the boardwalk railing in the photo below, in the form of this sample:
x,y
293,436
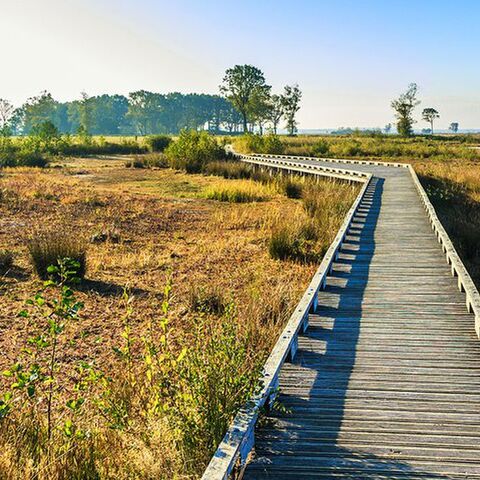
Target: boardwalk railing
x,y
290,164
232,453
465,282
237,443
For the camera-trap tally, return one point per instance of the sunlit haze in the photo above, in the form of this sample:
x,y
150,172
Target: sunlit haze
x,y
350,58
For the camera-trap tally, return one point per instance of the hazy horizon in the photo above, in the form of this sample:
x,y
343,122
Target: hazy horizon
x,y
350,60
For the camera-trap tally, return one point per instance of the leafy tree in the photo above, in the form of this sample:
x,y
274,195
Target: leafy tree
x,y
45,137
86,107
276,111
429,115
453,127
260,109
388,128
143,109
6,113
39,109
291,104
404,106
233,119
243,85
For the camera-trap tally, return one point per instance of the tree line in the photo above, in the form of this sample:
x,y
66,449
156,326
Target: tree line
x,y
245,104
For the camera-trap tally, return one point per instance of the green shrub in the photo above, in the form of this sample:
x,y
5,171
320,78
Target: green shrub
x,y
269,144
272,144
51,248
158,143
320,148
6,260
193,151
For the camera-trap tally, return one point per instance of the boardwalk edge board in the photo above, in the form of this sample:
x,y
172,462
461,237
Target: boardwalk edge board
x,y
233,452
465,282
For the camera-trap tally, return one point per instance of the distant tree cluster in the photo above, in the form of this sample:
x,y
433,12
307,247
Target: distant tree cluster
x,y
245,104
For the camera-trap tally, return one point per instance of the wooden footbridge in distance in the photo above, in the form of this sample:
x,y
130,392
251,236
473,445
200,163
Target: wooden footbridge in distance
x,y
378,368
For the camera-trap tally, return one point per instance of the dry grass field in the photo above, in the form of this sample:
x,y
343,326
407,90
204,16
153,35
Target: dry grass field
x,y
181,303
448,166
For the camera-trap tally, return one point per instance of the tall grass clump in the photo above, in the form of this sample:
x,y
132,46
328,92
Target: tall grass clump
x,y
306,234
50,248
228,169
193,150
6,260
296,240
240,192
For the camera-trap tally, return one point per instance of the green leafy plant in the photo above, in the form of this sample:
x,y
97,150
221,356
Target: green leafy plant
x,y
35,388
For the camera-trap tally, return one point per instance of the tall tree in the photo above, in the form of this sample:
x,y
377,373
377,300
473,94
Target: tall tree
x,y
291,105
86,112
6,113
275,113
453,127
243,85
404,106
429,115
260,109
144,110
39,109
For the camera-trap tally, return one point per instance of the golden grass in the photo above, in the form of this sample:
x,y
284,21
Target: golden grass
x,y
241,191
166,229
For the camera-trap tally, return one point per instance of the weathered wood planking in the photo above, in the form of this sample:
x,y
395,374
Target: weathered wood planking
x,y
385,382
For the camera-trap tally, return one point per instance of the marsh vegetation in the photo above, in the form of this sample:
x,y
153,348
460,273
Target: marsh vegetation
x,y
163,297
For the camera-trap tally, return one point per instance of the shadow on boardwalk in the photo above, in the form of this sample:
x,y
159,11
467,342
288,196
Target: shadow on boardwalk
x,y
302,442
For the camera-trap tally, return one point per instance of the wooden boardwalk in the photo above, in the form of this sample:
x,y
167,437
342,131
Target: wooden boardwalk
x,y
386,380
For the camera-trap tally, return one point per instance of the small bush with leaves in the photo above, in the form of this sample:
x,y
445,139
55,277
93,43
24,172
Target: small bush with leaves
x,y
158,143
193,150
259,144
34,397
50,248
320,148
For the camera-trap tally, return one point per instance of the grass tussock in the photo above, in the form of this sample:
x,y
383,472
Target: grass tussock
x,y
207,299
144,384
306,235
6,260
242,192
50,247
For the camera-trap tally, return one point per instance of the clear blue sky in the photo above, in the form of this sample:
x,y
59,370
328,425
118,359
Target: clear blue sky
x,y
349,57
